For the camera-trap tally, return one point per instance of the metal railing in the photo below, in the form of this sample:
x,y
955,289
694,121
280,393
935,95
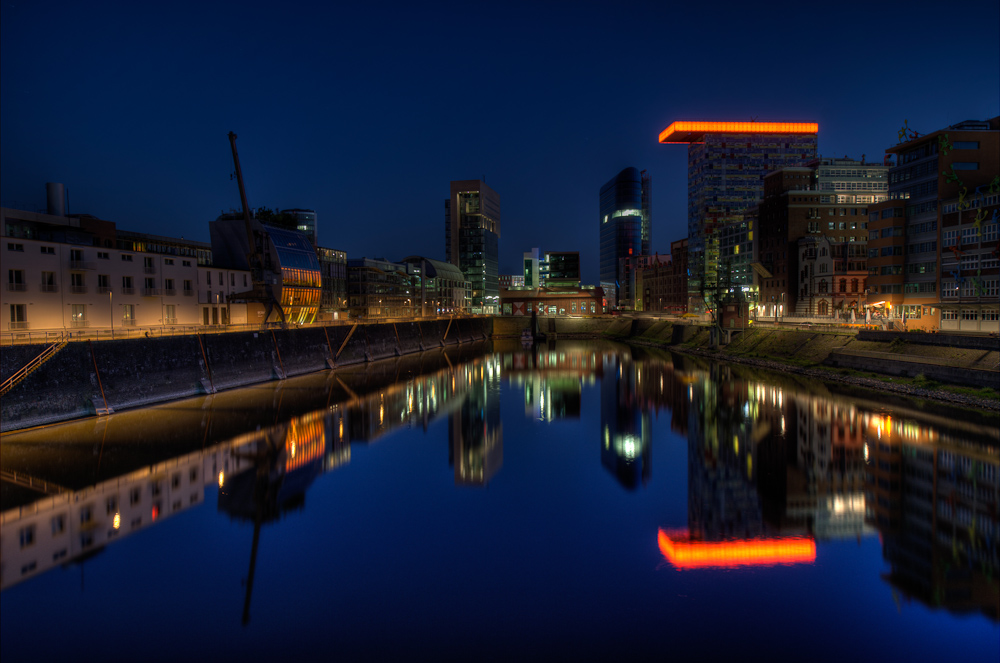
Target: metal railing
x,y
49,287
128,291
17,287
80,264
150,292
79,324
78,289
17,335
169,292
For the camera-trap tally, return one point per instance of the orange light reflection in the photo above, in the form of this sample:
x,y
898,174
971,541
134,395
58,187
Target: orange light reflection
x,y
752,552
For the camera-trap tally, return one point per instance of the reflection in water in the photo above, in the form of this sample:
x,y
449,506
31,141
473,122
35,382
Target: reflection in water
x,y
626,426
773,467
475,433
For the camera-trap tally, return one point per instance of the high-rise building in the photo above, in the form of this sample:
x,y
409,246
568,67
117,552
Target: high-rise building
x,y
626,228
472,240
727,162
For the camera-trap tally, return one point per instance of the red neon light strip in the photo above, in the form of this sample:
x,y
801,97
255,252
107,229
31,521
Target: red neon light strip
x,y
678,132
727,554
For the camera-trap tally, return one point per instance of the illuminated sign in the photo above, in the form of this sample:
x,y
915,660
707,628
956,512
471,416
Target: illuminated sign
x,y
686,554
692,132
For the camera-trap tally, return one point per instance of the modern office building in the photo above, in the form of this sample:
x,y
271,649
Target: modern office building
x,y
560,269
378,288
305,223
290,266
472,239
727,162
625,220
333,275
940,270
439,288
532,276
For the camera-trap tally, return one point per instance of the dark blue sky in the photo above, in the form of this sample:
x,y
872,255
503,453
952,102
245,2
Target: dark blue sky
x,y
366,111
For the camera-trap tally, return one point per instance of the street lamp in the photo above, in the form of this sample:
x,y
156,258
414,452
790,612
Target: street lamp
x,y
111,306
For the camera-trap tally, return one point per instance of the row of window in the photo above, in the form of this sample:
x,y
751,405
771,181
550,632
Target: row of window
x,y
77,256
970,315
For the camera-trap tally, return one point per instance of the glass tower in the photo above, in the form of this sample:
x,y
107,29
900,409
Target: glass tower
x,y
727,162
472,240
626,225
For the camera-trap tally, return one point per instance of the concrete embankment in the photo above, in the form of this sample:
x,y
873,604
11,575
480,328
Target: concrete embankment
x,y
946,358
86,378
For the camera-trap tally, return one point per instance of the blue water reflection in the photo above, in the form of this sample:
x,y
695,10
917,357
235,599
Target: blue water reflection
x,y
582,500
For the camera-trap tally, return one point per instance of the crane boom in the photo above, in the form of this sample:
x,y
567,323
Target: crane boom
x,y
263,287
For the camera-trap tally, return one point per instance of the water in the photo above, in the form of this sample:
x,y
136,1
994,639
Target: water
x,y
584,501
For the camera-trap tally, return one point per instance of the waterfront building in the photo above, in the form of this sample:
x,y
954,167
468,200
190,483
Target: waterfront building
x,y
289,261
940,269
439,288
79,273
472,237
333,278
631,271
625,220
378,288
652,285
727,162
584,300
815,278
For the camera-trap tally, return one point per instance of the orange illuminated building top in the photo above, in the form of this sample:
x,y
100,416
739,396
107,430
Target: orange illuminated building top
x,y
686,554
694,132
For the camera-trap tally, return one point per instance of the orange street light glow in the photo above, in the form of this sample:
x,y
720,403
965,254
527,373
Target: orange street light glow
x,y
693,132
727,554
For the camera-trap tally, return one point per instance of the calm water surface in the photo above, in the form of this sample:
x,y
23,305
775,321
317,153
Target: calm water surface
x,y
582,501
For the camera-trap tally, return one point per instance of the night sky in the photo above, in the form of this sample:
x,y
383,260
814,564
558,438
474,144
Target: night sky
x,y
365,111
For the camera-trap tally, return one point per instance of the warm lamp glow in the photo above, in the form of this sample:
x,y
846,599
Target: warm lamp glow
x,y
692,132
685,554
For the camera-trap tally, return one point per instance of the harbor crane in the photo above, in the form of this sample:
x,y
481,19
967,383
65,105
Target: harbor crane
x,y
263,276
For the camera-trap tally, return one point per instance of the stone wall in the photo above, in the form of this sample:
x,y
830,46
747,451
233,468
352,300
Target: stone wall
x,y
88,378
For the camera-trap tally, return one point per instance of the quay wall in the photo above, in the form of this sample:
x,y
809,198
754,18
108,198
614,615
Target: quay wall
x,y
84,378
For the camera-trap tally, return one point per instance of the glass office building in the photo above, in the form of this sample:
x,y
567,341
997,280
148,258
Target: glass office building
x,y
727,162
626,227
472,240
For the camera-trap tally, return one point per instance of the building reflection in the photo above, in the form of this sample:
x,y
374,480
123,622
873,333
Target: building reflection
x,y
261,475
773,468
934,493
475,433
626,423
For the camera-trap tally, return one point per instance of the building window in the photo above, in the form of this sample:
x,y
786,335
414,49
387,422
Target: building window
x,y
103,255
58,524
126,258
965,165
27,536
49,250
79,315
15,247
18,316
